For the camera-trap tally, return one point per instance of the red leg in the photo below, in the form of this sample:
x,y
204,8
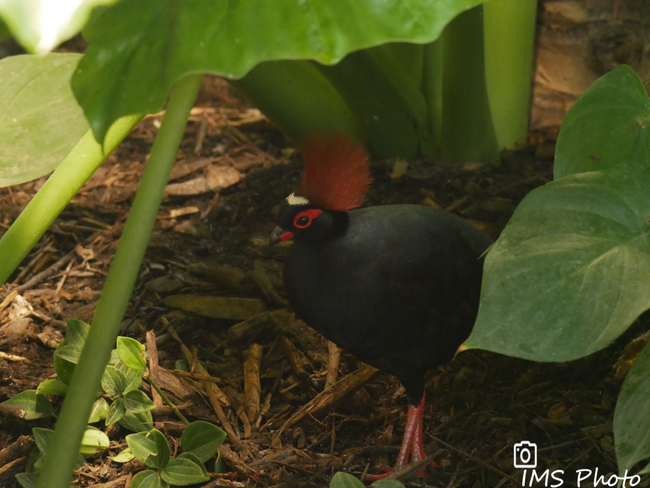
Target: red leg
x,y
417,449
411,442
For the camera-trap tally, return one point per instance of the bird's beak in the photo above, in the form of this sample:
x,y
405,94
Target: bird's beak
x,y
278,235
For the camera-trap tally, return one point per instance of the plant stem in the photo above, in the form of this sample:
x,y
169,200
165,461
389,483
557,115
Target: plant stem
x,y
432,90
509,27
79,165
467,129
57,471
169,403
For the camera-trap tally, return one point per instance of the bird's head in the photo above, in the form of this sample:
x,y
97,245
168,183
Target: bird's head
x,y
334,180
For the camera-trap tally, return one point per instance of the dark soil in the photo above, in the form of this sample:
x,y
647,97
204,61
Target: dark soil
x,y
479,405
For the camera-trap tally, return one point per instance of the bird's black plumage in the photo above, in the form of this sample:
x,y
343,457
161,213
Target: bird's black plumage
x,y
397,285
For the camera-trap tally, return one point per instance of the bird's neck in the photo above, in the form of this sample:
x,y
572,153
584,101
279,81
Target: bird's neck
x,y
340,223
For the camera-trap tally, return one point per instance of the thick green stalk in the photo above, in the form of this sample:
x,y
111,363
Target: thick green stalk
x,y
298,99
401,64
79,165
124,270
467,130
387,117
509,27
432,90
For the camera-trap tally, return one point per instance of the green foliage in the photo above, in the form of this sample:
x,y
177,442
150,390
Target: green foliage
x,y
223,38
631,421
35,405
346,480
202,439
569,274
43,438
200,442
120,383
131,352
36,94
607,126
94,442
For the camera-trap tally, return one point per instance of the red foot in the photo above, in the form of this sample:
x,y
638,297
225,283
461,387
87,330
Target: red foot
x,y
386,472
411,445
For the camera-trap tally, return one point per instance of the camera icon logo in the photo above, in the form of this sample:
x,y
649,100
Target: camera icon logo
x,y
525,455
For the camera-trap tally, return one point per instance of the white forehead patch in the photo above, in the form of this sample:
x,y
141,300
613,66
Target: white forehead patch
x,y
297,200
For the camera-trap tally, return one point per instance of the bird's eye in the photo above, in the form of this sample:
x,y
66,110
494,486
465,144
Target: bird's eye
x,y
302,221
305,218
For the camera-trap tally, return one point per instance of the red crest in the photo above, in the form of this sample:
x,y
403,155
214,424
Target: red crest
x,y
336,174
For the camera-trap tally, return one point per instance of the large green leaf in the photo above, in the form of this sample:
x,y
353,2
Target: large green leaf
x,y
40,25
570,272
607,126
138,49
631,419
34,101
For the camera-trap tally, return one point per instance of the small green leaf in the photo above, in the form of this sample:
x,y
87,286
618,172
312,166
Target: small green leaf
x,y
181,365
35,406
52,387
62,367
94,442
387,483
186,469
114,382
139,422
137,401
75,338
631,420
202,439
99,411
220,465
76,332
115,358
133,376
123,457
345,480
148,479
131,352
151,448
42,438
116,411
69,352
27,480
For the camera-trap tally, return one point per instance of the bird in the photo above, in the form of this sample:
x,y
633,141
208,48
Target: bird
x,y
397,286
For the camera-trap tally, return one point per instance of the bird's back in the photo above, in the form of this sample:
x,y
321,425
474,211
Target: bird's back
x,y
399,288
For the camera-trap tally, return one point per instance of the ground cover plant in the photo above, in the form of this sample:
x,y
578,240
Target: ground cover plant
x,y
105,110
